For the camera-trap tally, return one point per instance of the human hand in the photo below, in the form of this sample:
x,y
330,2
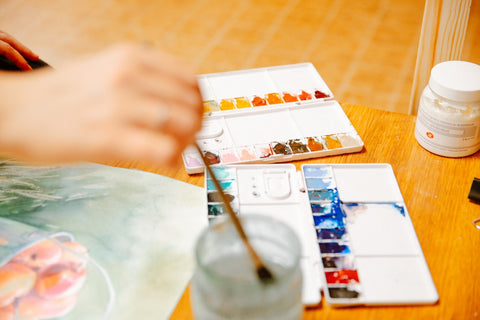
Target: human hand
x,y
126,103
15,51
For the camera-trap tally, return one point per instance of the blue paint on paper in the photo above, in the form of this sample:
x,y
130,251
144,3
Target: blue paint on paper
x,y
400,208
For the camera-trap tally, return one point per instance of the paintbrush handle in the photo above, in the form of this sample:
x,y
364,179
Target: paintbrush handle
x,y
238,226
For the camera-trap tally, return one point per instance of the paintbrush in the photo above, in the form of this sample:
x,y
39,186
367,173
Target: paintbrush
x,y
263,273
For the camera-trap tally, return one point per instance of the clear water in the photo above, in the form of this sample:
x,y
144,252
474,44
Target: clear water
x,y
233,291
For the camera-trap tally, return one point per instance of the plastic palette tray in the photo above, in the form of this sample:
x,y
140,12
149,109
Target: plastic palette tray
x,y
358,243
268,115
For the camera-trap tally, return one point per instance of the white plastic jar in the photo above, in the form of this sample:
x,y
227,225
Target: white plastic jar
x,y
448,120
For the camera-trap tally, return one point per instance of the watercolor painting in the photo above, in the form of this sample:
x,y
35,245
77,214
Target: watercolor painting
x,y
95,242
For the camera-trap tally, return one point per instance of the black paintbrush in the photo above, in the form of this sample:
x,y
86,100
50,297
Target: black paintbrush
x,y
262,271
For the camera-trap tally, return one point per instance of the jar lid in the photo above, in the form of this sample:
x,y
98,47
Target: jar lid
x,y
456,80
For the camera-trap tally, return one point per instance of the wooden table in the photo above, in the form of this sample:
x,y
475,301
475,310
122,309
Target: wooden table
x,y
435,190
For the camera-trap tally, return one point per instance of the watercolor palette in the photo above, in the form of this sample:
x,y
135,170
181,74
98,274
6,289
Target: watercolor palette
x,y
268,115
358,243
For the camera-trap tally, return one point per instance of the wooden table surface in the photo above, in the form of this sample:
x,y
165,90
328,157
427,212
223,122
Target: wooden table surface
x,y
435,190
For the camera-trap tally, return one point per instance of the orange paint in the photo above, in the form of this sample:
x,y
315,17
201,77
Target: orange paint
x,y
242,103
333,142
305,96
227,104
257,101
288,97
16,280
273,98
314,144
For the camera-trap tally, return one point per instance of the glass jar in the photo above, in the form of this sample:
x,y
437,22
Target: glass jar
x,y
225,284
448,120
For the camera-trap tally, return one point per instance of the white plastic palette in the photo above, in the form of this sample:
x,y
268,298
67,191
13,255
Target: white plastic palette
x,y
358,243
268,115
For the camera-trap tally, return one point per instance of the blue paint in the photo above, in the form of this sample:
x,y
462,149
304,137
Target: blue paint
x,y
326,208
317,172
320,183
331,234
223,173
225,185
354,208
333,247
400,208
321,209
329,221
323,195
216,210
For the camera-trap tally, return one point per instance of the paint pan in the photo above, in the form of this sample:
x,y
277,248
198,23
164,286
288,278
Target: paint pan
x,y
267,115
358,243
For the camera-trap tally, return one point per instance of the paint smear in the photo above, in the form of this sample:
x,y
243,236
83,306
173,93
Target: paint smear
x,y
281,148
317,172
305,96
320,95
216,197
263,150
333,247
212,158
242,103
229,156
257,101
314,144
273,98
298,146
210,106
331,221
227,104
343,293
333,142
193,160
348,140
320,183
323,195
226,185
340,262
342,277
288,97
332,234
246,154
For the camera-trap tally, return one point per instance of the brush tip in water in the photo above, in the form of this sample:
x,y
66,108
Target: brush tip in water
x,y
264,274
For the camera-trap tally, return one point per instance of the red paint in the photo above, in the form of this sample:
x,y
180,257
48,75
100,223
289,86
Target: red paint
x,y
305,96
342,276
319,94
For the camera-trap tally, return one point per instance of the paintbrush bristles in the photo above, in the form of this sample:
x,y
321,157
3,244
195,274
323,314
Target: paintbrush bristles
x,y
262,271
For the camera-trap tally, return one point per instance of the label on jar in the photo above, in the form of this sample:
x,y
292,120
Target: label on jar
x,y
447,136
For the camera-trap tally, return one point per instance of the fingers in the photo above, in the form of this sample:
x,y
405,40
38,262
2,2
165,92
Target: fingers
x,y
158,92
18,46
141,145
16,51
174,120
